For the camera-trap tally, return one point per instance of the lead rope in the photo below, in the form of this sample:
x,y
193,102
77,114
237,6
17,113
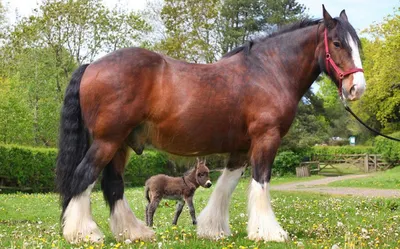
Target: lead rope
x,y
364,124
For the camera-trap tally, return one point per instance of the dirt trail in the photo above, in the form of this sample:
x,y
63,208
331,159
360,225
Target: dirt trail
x,y
319,186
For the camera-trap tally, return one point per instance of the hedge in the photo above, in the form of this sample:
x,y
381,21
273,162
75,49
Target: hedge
x,y
33,169
389,149
27,169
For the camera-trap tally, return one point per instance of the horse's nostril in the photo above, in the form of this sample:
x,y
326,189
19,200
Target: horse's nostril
x,y
353,89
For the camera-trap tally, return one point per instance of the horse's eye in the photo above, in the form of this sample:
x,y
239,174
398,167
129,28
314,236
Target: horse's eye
x,y
337,44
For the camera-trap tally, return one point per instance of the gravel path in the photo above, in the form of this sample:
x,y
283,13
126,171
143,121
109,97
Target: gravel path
x,y
319,186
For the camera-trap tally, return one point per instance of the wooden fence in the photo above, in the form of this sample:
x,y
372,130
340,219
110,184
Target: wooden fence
x,y
365,162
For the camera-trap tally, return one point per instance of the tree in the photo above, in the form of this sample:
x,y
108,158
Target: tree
x,y
381,103
190,29
43,49
243,19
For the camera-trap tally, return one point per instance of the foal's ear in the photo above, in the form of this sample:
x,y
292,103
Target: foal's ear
x,y
198,162
328,20
343,15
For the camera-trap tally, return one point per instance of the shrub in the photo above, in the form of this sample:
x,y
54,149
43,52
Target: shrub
x,y
30,169
286,162
389,149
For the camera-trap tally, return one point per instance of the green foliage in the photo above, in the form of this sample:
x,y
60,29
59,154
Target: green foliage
x,y
140,168
190,29
332,150
30,169
286,162
388,148
380,106
240,20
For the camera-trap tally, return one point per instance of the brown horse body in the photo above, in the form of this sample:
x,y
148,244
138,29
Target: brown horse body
x,y
242,105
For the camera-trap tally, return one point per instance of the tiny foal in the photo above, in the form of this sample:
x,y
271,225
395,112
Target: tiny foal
x,y
176,188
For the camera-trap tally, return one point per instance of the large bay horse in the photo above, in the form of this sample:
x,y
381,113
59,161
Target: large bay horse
x,y
242,105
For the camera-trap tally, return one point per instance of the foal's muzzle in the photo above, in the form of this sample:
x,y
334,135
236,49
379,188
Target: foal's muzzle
x,y
208,184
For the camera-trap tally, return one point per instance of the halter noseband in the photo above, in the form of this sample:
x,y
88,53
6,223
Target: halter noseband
x,y
329,60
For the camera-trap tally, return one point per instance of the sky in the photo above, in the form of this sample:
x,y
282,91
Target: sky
x,y
361,13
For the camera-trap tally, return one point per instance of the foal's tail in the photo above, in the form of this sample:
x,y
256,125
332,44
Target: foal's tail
x,y
73,140
146,192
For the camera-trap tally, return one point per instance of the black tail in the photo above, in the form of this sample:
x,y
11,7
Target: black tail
x,y
73,140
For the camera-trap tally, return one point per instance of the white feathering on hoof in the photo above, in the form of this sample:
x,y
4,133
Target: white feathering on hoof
x,y
125,226
78,224
213,221
262,223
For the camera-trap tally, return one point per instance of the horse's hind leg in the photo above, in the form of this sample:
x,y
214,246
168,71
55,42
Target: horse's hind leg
x,y
123,223
78,224
213,220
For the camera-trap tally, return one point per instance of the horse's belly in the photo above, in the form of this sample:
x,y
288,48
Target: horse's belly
x,y
198,140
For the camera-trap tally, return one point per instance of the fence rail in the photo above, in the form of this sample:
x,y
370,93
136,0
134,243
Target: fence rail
x,y
366,162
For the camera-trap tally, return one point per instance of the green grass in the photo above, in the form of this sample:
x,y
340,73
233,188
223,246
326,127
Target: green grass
x,y
293,178
389,179
312,220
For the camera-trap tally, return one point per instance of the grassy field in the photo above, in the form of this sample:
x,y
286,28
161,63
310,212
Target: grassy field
x,y
312,220
389,179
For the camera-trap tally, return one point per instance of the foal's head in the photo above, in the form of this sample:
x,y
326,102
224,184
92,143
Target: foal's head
x,y
202,174
343,47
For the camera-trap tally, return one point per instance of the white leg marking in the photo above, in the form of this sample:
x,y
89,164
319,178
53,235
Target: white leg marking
x,y
78,224
262,222
213,221
124,224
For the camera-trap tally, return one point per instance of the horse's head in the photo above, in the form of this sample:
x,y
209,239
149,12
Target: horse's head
x,y
340,55
202,174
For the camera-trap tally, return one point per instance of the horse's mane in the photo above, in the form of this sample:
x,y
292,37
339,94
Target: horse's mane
x,y
342,28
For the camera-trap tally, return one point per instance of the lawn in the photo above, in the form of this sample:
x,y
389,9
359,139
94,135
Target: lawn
x,y
312,220
389,179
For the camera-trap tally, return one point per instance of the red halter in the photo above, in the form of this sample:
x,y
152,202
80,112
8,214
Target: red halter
x,y
339,72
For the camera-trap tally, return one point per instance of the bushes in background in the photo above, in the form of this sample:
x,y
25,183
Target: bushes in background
x,y
30,169
389,149
33,169
286,163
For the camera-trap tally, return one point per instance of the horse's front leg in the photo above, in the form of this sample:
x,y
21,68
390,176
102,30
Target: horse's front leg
x,y
213,221
262,223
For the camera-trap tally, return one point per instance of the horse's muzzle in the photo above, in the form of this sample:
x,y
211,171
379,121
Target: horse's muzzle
x,y
208,184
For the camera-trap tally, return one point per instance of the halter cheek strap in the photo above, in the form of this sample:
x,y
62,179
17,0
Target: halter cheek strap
x,y
339,72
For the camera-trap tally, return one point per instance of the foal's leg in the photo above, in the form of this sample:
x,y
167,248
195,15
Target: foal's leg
x,y
179,207
78,224
123,223
152,209
192,211
262,223
213,221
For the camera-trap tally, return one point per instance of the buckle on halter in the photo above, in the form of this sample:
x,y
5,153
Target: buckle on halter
x,y
341,76
328,56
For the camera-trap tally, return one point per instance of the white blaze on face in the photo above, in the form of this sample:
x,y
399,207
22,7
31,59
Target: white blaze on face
x,y
358,77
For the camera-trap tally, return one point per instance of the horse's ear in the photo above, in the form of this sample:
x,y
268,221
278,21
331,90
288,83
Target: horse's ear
x,y
343,15
198,162
328,20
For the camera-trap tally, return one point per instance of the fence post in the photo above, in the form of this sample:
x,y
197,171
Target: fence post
x,y
366,164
